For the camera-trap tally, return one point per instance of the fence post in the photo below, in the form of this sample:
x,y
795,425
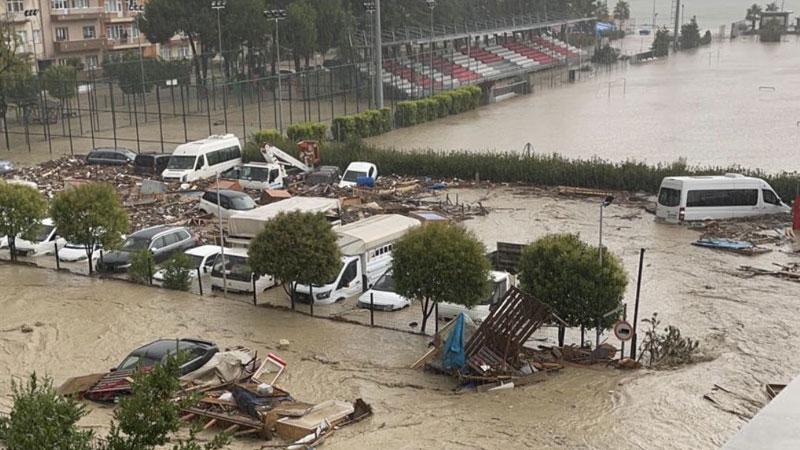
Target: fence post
x,y
255,293
136,122
436,316
241,104
183,110
160,123
58,263
113,112
150,272
311,294
636,306
200,281
294,288
225,106
372,309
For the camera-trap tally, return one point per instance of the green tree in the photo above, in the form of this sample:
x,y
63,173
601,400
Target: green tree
x,y
61,81
150,416
565,272
772,7
661,43
40,418
336,26
128,71
244,25
602,11
301,21
90,215
605,55
690,35
12,64
622,11
753,14
296,248
21,209
177,273
142,267
440,263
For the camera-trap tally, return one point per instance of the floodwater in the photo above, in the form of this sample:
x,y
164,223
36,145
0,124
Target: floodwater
x,y
745,327
734,102
711,14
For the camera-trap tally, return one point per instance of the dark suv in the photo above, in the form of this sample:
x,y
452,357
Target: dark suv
x,y
150,163
111,156
162,241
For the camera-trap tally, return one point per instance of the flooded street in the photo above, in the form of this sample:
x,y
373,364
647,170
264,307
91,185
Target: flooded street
x,y
745,327
734,102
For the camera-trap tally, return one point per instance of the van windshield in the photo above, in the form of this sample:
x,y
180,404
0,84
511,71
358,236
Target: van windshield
x,y
669,197
385,284
351,176
236,268
181,162
255,173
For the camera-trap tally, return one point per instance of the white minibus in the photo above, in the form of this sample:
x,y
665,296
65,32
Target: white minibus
x,y
687,199
202,159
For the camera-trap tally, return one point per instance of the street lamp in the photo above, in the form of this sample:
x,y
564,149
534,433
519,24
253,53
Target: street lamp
x,y
277,15
369,6
606,203
219,5
33,13
133,6
432,6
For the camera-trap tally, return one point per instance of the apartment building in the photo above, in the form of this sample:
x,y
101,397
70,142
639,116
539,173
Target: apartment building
x,y
89,30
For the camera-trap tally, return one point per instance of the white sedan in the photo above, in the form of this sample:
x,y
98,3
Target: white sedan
x,y
76,252
43,241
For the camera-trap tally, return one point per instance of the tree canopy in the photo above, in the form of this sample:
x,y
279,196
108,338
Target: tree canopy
x,y
690,35
753,14
661,43
90,215
21,209
296,248
61,81
565,272
622,10
440,263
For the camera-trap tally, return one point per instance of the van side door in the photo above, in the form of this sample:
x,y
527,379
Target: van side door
x,y
350,282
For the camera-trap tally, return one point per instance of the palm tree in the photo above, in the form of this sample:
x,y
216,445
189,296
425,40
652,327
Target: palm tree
x,y
753,13
622,11
602,11
773,6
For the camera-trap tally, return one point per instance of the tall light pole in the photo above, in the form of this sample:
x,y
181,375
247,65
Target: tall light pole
x,y
219,5
378,42
369,6
432,6
132,6
606,203
277,15
33,13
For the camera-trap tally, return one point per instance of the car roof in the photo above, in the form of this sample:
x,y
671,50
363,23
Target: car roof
x,y
113,149
163,347
242,252
360,166
204,250
229,193
148,233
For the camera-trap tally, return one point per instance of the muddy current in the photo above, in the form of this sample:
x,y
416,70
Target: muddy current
x,y
746,328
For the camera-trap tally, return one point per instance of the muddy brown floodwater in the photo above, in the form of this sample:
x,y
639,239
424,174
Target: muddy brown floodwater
x,y
746,328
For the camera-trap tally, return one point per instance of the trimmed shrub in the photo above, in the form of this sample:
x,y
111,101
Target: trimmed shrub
x,y
456,101
177,273
368,123
344,128
307,131
142,267
407,113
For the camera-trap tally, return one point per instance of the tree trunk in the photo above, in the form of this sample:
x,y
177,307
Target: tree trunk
x,y
308,61
427,310
195,60
296,62
12,247
89,253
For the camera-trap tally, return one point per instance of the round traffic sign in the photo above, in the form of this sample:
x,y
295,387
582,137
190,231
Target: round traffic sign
x,y
623,331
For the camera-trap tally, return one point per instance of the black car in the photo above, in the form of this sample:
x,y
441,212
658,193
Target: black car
x,y
150,163
110,156
162,241
117,382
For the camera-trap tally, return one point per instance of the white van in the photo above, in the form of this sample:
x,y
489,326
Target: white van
x,y
203,159
686,199
238,275
366,247
357,170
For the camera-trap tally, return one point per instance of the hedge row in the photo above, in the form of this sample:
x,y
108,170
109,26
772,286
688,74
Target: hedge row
x,y
456,101
363,125
546,170
307,131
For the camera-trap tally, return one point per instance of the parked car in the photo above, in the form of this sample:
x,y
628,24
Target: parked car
x,y
383,295
162,241
235,273
230,202
358,170
110,156
150,163
6,166
117,382
76,252
42,240
199,258
324,175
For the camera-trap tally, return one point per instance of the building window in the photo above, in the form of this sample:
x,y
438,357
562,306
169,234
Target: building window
x,y
88,32
62,34
113,6
183,52
166,53
37,36
134,31
60,4
15,5
80,3
23,39
91,62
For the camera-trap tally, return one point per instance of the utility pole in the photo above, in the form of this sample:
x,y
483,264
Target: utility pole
x,y
219,5
32,13
378,40
132,6
677,23
432,6
606,203
276,15
369,6
222,243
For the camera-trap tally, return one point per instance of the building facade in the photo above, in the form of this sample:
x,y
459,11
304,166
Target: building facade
x,y
88,31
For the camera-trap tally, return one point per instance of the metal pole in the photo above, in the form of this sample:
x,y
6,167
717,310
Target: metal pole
x,y
600,246
219,32
378,56
278,62
141,68
677,23
160,123
255,294
113,112
311,294
222,243
432,5
636,305
200,280
372,309
58,263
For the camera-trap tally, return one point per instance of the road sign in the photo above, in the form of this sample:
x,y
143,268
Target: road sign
x,y
623,331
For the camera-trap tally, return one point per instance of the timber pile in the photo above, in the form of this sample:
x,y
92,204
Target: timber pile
x,y
789,272
757,230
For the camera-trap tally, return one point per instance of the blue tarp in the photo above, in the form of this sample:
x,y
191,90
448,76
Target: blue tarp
x,y
723,244
602,27
453,356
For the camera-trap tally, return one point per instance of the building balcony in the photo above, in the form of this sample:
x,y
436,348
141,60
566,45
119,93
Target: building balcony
x,y
126,43
62,15
14,17
79,46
